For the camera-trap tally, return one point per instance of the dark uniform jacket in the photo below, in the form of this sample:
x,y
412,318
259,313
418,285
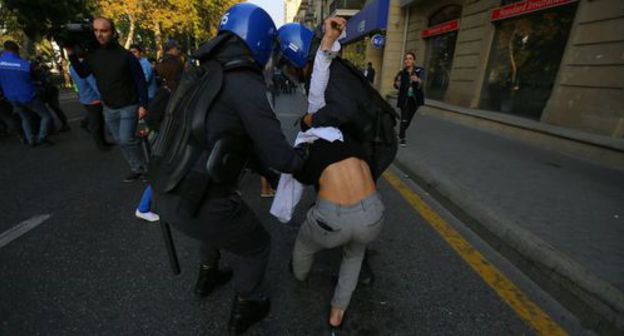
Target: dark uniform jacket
x,y
242,109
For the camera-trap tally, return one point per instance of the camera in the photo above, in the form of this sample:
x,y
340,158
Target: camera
x,y
77,35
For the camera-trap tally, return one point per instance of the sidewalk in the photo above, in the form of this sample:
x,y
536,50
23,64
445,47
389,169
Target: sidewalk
x,y
559,219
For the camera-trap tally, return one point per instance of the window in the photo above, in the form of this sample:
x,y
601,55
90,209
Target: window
x,y
524,61
440,52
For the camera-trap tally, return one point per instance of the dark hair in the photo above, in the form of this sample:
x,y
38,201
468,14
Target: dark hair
x,y
11,46
136,46
411,53
370,64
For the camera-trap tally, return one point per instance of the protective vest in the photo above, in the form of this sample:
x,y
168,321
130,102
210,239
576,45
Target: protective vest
x,y
15,78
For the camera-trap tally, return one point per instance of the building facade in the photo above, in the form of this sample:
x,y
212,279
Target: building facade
x,y
557,62
290,10
548,62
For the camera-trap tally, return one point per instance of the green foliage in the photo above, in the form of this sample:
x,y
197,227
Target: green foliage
x,y
35,17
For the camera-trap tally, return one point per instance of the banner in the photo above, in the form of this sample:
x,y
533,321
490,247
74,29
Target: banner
x,y
442,28
524,7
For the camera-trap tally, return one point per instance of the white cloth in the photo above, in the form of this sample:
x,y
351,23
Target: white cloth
x,y
289,190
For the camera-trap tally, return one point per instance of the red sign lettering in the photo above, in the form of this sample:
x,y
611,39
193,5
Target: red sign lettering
x,y
442,28
525,7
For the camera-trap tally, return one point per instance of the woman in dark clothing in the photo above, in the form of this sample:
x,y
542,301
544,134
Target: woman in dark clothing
x,y
409,82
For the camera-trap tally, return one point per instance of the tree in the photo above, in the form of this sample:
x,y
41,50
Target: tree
x,y
195,20
35,17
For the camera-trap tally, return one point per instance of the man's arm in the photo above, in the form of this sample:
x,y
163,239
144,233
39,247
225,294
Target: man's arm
x,y
82,68
262,125
139,79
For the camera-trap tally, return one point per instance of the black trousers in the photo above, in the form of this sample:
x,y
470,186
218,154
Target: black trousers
x,y
407,113
95,120
224,223
52,99
11,120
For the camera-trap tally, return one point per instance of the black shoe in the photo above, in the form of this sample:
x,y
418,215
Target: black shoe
x,y
64,128
247,312
402,143
132,177
210,278
33,143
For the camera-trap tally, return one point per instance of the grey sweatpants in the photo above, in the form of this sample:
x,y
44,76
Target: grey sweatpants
x,y
329,225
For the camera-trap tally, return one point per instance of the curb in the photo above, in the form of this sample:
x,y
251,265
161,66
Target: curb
x,y
596,303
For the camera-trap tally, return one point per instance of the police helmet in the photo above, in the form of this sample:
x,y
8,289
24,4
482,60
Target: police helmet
x,y
254,26
295,43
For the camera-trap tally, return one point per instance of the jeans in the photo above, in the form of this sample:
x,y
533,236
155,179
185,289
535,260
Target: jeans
x,y
146,200
36,106
122,123
330,225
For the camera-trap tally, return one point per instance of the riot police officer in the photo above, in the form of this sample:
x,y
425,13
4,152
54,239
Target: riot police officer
x,y
212,211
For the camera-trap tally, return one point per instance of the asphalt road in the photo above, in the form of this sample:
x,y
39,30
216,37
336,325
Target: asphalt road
x,y
92,268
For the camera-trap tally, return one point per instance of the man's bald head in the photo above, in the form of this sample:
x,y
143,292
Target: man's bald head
x,y
104,30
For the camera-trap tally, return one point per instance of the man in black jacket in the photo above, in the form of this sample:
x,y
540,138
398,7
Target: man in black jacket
x,y
122,85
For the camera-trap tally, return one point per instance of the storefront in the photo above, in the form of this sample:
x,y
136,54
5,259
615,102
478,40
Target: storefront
x,y
441,38
365,35
525,55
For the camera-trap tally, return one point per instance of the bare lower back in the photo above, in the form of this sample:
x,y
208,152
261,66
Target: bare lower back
x,y
346,182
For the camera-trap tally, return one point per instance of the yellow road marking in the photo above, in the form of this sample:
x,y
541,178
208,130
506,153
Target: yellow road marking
x,y
512,295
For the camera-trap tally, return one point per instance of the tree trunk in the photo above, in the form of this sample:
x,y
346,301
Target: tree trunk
x,y
159,41
65,67
130,38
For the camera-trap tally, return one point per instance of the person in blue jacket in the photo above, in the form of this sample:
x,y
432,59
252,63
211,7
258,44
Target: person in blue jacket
x,y
148,71
17,84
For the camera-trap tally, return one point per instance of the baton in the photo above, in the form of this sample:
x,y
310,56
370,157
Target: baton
x,y
171,251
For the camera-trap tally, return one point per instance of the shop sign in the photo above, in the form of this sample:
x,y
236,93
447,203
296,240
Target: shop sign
x,y
525,7
378,41
442,28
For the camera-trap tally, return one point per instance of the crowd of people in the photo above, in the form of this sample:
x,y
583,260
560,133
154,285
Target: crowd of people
x,y
28,97
197,156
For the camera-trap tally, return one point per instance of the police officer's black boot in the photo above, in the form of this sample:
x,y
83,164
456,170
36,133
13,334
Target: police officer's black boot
x,y
246,312
210,278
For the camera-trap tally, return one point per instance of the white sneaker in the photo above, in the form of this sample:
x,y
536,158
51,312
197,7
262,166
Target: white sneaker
x,y
148,216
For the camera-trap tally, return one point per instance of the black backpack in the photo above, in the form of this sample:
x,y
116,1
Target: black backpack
x,y
181,139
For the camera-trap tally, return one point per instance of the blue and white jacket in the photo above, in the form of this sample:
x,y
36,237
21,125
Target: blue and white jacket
x,y
15,78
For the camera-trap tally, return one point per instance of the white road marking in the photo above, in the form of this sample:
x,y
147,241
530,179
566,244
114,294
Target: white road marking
x,y
20,229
